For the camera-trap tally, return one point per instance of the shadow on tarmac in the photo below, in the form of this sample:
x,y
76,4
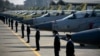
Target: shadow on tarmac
x,y
14,43
64,47
22,51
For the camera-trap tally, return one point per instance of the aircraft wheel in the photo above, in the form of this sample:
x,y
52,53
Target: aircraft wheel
x,y
82,45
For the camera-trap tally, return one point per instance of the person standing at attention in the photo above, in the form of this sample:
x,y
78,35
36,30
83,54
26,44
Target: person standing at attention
x,y
56,43
28,34
69,46
16,25
12,24
22,29
37,37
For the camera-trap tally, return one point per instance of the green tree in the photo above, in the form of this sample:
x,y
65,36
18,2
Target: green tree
x,y
1,5
7,4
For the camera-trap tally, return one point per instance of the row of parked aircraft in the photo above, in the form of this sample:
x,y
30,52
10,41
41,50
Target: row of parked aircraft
x,y
85,24
86,21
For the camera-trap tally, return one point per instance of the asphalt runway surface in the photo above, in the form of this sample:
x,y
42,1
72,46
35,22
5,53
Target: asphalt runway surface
x,y
11,44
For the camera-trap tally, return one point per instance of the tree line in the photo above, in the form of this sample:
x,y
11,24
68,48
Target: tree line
x,y
5,5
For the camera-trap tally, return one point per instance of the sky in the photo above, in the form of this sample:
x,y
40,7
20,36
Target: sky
x,y
17,2
22,1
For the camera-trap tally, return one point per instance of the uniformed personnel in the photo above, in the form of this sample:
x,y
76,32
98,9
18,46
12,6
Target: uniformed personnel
x,y
56,44
22,29
12,24
37,37
69,46
28,34
16,25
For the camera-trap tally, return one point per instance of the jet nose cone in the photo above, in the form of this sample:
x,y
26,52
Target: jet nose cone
x,y
44,26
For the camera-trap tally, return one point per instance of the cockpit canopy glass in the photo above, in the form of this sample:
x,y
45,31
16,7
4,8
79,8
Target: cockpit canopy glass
x,y
83,14
77,15
46,15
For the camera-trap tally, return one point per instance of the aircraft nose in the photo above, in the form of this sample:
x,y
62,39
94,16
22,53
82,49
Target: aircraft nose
x,y
44,26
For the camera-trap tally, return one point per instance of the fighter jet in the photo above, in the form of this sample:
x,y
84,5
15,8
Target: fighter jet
x,y
82,20
49,16
45,18
86,24
91,36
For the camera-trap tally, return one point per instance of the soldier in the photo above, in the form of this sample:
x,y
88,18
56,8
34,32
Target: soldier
x,y
6,20
16,25
9,22
12,24
22,28
69,47
56,44
28,34
37,36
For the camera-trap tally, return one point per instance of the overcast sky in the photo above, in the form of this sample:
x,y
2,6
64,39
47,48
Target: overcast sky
x,y
22,1
17,1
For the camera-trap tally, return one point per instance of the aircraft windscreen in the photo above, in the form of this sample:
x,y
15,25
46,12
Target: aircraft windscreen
x,y
94,13
33,13
67,17
80,15
77,15
46,15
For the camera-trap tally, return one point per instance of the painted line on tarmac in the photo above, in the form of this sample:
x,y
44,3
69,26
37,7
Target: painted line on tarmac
x,y
33,49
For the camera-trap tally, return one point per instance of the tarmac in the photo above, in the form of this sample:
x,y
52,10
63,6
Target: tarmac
x,y
11,44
